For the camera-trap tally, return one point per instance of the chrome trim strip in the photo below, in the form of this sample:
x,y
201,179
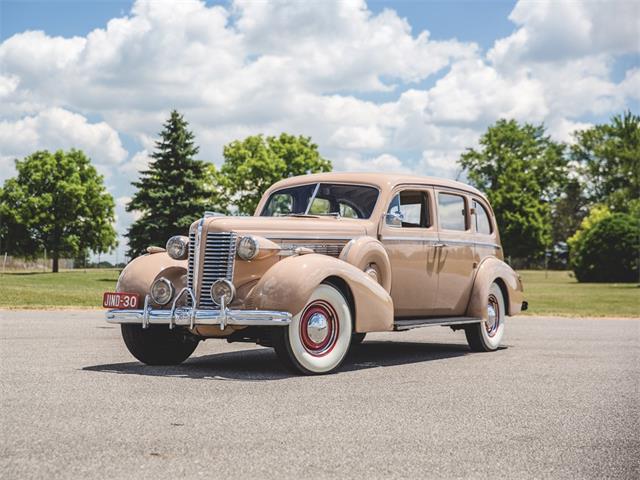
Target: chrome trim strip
x,y
307,237
400,325
411,239
443,240
183,317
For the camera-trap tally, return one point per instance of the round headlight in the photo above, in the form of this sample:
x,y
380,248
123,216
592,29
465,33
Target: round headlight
x,y
161,291
178,247
222,289
248,248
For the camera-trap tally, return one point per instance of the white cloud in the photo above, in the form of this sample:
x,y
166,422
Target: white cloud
x,y
314,68
137,163
557,30
382,163
56,128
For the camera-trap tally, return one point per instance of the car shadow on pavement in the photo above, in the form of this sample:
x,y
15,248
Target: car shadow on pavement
x,y
261,364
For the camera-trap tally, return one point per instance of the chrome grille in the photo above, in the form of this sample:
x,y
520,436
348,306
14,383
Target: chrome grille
x,y
217,262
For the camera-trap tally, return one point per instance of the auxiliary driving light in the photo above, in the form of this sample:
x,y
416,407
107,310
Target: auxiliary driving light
x,y
161,291
178,247
220,289
248,248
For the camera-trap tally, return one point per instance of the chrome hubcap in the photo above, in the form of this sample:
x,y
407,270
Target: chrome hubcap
x,y
317,327
493,316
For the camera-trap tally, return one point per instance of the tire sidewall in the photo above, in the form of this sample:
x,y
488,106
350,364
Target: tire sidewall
x,y
328,362
493,342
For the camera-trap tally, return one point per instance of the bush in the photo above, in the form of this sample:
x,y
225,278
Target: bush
x,y
609,251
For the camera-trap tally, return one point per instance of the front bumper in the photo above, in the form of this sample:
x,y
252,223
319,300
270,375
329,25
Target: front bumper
x,y
191,317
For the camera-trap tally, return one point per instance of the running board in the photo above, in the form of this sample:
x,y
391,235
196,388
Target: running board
x,y
400,325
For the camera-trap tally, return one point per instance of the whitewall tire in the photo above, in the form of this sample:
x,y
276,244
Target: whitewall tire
x,y
486,336
318,338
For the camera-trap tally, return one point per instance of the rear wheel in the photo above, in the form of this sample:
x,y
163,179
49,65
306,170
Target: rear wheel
x,y
157,344
318,338
487,335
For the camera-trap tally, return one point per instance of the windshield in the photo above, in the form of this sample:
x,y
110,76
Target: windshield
x,y
350,201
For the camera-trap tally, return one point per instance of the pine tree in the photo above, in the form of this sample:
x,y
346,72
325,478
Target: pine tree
x,y
173,192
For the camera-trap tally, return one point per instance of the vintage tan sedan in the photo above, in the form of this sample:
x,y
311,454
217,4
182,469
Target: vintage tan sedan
x,y
326,259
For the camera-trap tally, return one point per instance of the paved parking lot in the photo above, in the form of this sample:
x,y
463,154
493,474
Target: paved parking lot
x,y
560,401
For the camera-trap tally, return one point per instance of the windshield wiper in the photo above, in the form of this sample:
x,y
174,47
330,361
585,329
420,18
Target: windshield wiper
x,y
302,215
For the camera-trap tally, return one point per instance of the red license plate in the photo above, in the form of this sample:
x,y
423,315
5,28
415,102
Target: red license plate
x,y
120,300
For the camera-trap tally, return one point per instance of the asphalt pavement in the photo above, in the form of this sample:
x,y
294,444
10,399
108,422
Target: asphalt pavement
x,y
561,400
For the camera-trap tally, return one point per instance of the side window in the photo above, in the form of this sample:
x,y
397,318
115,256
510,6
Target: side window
x,y
451,212
408,209
279,205
483,224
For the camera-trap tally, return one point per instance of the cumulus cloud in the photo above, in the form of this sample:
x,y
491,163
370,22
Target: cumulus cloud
x,y
557,30
314,69
56,128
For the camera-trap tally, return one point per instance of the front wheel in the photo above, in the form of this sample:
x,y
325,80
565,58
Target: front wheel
x,y
487,335
157,344
317,339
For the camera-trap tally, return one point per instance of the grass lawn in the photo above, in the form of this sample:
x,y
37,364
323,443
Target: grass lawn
x,y
554,293
72,288
558,293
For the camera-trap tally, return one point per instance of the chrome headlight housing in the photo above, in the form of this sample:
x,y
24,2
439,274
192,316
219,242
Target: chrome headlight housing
x,y
161,291
220,289
178,247
248,248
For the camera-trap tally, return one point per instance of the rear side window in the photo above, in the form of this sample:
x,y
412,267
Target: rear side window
x,y
483,224
409,209
451,212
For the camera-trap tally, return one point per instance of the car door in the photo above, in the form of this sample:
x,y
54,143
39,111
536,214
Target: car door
x,y
456,252
408,234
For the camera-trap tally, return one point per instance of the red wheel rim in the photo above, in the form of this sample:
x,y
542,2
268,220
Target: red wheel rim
x,y
319,328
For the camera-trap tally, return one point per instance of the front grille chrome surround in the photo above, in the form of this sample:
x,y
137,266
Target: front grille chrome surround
x,y
215,262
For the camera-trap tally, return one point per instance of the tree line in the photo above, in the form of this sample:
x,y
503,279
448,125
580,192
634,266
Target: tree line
x,y
548,196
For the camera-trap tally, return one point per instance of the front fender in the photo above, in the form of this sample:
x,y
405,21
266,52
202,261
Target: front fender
x,y
490,270
140,273
288,285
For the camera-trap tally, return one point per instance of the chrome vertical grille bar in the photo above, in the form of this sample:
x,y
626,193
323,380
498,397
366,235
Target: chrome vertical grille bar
x,y
220,251
217,262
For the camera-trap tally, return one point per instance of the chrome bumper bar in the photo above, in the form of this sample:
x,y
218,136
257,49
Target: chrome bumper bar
x,y
191,317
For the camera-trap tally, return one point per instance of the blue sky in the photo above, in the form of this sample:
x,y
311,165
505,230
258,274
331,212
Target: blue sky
x,y
379,85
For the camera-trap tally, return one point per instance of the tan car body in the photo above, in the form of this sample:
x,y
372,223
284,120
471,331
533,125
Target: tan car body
x,y
388,272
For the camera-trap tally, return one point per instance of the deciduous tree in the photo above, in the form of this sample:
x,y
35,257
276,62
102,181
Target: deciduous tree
x,y
57,201
252,165
610,157
522,172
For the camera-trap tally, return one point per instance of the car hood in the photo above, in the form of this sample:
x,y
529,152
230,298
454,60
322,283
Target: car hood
x,y
288,227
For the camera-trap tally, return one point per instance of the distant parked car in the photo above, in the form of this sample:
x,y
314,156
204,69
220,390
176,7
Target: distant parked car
x,y
325,259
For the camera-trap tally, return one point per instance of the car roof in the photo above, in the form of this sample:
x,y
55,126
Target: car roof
x,y
386,181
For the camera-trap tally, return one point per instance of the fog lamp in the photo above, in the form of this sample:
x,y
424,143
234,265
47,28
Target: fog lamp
x,y
248,248
220,289
178,247
161,291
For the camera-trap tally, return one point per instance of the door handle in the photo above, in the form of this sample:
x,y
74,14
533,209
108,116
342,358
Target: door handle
x,y
440,245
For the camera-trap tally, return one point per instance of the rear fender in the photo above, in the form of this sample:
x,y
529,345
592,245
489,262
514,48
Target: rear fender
x,y
492,270
288,285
